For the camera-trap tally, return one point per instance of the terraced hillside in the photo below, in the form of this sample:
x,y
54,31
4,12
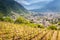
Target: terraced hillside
x,y
10,31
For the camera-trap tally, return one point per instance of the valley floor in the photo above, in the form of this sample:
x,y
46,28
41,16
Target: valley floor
x,y
10,31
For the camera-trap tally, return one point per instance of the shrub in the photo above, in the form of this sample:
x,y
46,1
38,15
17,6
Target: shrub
x,y
40,26
53,27
21,20
1,19
32,25
31,21
8,19
58,28
58,23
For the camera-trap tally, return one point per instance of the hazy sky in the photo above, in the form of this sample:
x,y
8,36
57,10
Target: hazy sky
x,y
34,4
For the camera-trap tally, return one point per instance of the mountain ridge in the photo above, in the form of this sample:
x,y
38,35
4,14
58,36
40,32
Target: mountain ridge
x,y
53,6
6,6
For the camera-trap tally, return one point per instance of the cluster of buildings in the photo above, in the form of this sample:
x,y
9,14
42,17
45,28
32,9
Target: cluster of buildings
x,y
46,18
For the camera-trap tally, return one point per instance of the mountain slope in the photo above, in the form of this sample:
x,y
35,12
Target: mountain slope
x,y
6,6
53,6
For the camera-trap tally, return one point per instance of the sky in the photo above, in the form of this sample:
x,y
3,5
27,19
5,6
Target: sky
x,y
34,4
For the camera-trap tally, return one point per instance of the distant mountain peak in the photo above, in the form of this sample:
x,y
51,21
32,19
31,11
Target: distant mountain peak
x,y
53,6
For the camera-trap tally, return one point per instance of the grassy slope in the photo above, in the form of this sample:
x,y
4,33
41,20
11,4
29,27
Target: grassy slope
x,y
10,31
